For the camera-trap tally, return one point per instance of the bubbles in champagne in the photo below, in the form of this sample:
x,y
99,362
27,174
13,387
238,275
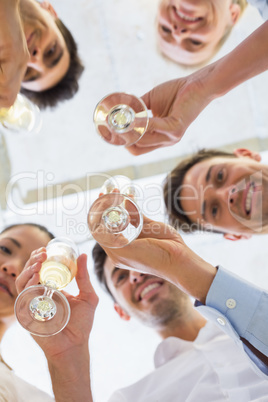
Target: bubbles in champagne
x,y
56,275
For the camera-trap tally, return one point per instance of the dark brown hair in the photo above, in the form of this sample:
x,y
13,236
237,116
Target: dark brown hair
x,y
68,86
35,225
173,185
99,257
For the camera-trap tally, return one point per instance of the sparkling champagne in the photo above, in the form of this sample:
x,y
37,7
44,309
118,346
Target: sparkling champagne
x,y
23,115
42,309
57,274
3,113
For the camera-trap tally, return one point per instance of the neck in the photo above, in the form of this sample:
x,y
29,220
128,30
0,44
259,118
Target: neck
x,y
186,327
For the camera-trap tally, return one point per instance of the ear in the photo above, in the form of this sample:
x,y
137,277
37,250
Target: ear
x,y
244,152
122,314
233,237
235,11
47,6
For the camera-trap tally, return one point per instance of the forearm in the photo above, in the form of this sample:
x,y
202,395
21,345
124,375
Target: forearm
x,y
13,52
70,376
9,9
247,60
194,275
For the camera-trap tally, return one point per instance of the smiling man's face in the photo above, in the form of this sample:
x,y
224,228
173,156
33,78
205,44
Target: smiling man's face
x,y
189,31
16,245
228,194
152,300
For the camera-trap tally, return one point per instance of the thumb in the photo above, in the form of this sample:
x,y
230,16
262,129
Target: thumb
x,y
170,126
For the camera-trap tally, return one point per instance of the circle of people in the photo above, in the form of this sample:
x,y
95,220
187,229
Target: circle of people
x,y
216,349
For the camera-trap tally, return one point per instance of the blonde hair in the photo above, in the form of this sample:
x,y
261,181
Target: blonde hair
x,y
242,3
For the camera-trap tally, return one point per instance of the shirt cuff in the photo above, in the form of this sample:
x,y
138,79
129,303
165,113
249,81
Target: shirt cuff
x,y
244,305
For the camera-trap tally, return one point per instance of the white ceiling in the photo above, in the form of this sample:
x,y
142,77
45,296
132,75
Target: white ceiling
x,y
117,43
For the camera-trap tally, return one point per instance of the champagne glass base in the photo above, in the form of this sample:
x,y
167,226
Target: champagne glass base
x,y
27,311
42,308
121,119
114,220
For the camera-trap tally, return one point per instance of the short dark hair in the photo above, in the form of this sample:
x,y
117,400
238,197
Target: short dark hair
x,y
99,256
68,86
35,225
173,185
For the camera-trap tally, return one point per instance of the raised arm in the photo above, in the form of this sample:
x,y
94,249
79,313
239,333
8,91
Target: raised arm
x,y
238,307
14,53
176,104
67,352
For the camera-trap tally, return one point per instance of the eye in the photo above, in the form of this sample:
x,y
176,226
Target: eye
x,y
27,72
214,211
51,51
220,176
165,29
121,277
6,250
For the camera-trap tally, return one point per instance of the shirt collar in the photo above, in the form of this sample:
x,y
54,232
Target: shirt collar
x,y
171,347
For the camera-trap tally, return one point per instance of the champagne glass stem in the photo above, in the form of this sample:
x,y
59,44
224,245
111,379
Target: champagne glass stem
x,y
48,291
116,219
43,307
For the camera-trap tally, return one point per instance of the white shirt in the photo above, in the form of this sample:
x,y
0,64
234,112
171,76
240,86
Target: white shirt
x,y
210,369
14,389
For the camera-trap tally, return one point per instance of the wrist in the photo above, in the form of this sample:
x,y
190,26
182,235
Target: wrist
x,y
193,275
70,375
70,362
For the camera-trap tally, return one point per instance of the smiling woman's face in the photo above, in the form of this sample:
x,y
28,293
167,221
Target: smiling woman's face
x,y
16,245
49,56
189,31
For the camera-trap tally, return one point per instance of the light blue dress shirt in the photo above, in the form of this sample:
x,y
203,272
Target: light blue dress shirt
x,y
241,310
262,6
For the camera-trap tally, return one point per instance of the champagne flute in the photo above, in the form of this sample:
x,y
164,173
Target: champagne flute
x,y
121,118
42,309
22,116
115,219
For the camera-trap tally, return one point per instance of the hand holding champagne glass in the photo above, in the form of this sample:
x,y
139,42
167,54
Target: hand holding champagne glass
x,y
121,119
22,116
115,219
42,309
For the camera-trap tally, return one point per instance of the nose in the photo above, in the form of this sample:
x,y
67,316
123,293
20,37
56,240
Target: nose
x,y
11,269
232,194
227,194
135,277
180,30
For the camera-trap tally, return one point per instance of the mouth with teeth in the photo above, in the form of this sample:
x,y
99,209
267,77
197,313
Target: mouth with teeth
x,y
248,198
185,17
149,290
